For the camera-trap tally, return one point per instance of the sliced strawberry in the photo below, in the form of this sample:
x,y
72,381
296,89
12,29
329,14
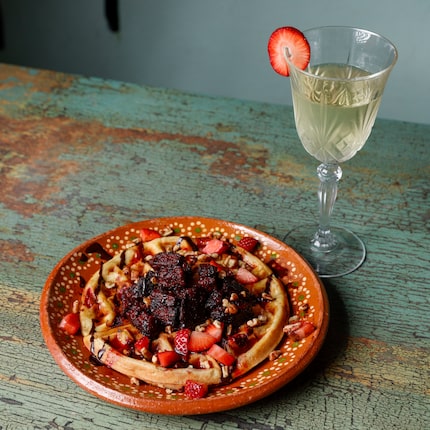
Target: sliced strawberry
x,y
288,41
221,355
147,234
248,243
215,246
122,341
90,298
168,358
238,342
200,341
142,344
244,276
303,331
202,241
195,390
217,265
215,330
70,323
181,341
299,330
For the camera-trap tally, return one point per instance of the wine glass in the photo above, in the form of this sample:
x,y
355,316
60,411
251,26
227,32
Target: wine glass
x,y
335,100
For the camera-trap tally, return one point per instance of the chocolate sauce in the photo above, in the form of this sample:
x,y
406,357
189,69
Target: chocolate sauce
x,y
98,249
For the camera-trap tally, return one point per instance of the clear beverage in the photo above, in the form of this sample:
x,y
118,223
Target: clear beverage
x,y
334,117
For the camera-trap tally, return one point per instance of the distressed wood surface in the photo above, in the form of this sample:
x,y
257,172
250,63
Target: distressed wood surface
x,y
79,156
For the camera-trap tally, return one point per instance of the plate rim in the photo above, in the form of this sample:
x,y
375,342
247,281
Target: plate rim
x,y
182,406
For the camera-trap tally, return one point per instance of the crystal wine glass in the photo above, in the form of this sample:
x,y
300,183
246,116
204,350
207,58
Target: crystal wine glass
x,y
336,99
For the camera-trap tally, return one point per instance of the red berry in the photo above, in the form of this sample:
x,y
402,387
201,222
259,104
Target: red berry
x,y
215,330
147,234
298,48
215,246
195,390
70,323
248,243
181,341
221,355
142,343
244,276
303,331
168,358
200,341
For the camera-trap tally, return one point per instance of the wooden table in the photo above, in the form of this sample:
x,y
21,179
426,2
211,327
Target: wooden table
x,y
80,156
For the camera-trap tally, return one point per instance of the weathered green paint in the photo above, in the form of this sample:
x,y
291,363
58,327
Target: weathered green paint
x,y
79,156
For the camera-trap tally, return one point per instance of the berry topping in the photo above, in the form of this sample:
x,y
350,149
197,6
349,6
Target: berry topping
x,y
147,234
288,41
195,390
215,330
200,341
215,246
248,243
70,323
221,355
181,341
168,358
244,276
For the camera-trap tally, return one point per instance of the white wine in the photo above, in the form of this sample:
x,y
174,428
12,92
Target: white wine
x,y
335,112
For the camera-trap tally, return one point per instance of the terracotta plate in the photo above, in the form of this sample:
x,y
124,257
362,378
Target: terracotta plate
x,y
65,283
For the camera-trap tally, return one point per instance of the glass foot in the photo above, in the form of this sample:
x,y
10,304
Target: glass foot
x,y
348,254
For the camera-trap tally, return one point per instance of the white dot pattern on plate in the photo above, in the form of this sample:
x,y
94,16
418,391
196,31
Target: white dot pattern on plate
x,y
71,278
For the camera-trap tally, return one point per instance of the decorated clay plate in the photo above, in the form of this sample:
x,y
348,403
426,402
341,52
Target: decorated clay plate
x,y
64,285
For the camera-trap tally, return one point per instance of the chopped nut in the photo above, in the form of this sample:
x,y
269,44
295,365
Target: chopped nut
x,y
267,296
257,321
253,323
166,231
225,372
204,363
289,328
262,318
275,354
134,381
217,324
233,297
304,307
75,307
229,330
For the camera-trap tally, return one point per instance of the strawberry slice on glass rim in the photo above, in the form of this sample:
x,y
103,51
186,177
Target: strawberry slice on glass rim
x,y
288,41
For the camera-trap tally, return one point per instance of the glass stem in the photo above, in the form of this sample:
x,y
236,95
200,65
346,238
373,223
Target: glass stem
x,y
329,175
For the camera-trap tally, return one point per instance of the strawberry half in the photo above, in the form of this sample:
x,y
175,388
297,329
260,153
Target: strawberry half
x,y
70,323
148,234
181,341
293,40
244,276
200,341
195,390
221,355
215,330
168,358
248,243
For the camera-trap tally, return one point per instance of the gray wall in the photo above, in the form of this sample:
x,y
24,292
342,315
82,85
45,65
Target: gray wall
x,y
213,47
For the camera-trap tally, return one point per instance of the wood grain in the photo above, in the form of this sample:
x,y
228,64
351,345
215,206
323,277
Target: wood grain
x,y
79,156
